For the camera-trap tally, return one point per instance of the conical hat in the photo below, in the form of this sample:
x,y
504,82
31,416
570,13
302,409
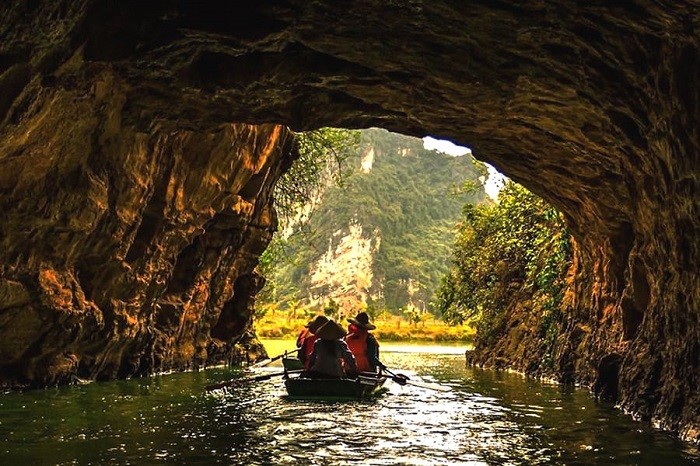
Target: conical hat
x,y
316,323
331,331
362,320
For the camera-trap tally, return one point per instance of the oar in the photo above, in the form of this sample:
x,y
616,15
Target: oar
x,y
402,379
257,378
265,362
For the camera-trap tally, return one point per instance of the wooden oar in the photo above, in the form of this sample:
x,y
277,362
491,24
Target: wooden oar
x,y
402,379
257,378
265,362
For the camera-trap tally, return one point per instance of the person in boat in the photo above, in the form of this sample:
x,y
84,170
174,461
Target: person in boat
x,y
364,345
307,344
330,353
303,335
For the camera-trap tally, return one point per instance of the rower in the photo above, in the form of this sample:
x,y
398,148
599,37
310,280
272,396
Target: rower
x,y
364,345
329,351
306,346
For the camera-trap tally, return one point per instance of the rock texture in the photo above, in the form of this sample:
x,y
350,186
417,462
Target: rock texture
x,y
125,251
593,105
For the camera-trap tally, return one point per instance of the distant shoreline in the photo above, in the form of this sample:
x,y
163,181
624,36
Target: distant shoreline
x,y
392,328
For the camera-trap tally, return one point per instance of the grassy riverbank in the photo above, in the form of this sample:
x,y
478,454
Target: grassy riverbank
x,y
282,324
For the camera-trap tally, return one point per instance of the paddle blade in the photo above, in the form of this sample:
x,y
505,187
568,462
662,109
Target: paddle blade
x,y
400,379
262,363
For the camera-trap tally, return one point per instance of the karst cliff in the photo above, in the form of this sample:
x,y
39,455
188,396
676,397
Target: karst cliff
x,y
133,210
126,249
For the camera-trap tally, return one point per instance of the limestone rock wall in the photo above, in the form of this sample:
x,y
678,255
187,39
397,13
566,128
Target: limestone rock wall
x,y
123,251
593,105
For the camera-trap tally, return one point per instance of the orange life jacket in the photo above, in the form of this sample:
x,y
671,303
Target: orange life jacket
x,y
357,342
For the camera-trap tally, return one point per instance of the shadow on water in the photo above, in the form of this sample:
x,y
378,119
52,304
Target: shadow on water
x,y
487,418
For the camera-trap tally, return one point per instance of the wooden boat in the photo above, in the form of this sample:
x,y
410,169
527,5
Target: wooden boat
x,y
292,364
361,387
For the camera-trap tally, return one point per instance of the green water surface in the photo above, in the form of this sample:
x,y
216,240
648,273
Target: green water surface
x,y
487,418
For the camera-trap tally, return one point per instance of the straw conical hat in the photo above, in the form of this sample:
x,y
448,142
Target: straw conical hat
x,y
331,331
316,323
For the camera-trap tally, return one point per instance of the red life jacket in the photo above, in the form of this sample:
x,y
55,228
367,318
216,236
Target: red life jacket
x,y
303,335
357,342
307,347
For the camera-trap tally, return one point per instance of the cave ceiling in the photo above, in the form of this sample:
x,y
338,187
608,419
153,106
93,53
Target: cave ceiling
x,y
566,97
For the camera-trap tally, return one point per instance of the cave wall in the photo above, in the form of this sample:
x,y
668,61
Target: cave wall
x,y
592,105
123,251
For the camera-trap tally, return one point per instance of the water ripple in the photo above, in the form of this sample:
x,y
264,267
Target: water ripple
x,y
487,418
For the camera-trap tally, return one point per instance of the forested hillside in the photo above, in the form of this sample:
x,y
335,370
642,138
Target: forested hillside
x,y
383,239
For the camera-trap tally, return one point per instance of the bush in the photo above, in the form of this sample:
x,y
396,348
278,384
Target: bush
x,y
520,243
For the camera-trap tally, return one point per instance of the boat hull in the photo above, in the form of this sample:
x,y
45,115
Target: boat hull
x,y
362,387
292,364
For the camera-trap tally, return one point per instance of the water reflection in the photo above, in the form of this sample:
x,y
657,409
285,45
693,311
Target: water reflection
x,y
487,418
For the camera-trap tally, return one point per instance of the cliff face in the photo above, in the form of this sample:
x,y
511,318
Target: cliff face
x,y
593,106
122,251
382,239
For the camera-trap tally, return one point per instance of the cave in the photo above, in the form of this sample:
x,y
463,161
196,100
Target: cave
x,y
607,382
593,106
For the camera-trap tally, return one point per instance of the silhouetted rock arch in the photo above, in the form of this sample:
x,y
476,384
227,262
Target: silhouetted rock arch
x,y
593,106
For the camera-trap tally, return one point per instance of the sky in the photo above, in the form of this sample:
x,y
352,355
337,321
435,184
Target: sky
x,y
495,180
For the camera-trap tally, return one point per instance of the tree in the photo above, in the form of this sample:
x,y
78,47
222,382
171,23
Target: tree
x,y
322,154
520,242
412,314
331,309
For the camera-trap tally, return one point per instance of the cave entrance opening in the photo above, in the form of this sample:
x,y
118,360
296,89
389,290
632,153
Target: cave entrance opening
x,y
373,231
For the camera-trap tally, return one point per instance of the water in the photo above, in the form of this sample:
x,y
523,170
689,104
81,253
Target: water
x,y
487,418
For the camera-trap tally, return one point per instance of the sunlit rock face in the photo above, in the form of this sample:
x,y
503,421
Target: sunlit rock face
x,y
593,105
126,251
344,272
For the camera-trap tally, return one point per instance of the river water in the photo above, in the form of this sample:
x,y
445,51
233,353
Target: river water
x,y
487,418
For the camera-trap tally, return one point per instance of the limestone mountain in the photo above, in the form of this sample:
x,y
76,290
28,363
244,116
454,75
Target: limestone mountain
x,y
383,238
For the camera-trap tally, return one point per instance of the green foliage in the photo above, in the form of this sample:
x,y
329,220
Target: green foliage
x,y
413,316
322,155
410,199
331,309
520,243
